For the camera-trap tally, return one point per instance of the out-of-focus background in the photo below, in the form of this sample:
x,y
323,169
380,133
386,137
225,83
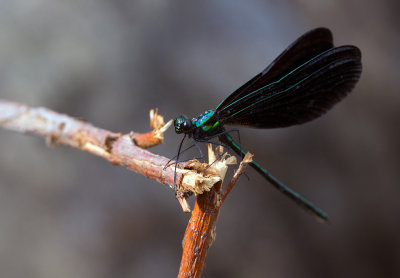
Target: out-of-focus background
x,y
65,213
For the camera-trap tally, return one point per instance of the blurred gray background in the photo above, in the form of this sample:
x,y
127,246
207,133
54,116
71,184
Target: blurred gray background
x,y
65,213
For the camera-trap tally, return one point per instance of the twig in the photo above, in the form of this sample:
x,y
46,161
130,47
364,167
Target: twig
x,y
200,233
201,230
154,137
117,148
242,167
122,150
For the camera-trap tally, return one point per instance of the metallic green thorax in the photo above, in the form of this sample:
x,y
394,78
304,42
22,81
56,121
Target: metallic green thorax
x,y
210,127
203,118
206,121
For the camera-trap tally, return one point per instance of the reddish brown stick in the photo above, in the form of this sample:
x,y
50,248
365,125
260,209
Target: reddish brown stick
x,y
120,149
200,233
201,230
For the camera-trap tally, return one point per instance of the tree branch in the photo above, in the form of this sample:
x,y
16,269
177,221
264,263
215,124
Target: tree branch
x,y
117,148
201,229
124,150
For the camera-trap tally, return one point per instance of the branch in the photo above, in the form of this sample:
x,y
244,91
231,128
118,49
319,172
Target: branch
x,y
124,150
201,230
242,167
117,148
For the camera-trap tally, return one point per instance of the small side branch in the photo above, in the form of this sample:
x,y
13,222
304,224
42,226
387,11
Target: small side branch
x,y
154,137
242,167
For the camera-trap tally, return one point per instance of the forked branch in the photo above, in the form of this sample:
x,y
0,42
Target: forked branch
x,y
128,150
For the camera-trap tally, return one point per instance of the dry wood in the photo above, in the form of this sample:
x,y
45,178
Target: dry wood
x,y
128,150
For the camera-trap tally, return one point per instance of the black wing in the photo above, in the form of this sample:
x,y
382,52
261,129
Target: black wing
x,y
298,93
303,49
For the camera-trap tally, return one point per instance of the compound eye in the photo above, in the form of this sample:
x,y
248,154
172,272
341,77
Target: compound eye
x,y
186,124
182,125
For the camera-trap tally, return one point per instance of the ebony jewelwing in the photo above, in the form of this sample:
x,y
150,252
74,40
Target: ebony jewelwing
x,y
301,84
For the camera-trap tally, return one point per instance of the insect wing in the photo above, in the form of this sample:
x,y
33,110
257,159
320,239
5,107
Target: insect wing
x,y
303,94
302,50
